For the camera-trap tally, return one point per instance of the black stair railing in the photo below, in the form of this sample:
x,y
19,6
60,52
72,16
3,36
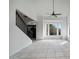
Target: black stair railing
x,y
22,24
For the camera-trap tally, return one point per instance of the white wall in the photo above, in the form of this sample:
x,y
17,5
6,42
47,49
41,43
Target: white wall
x,y
39,28
17,39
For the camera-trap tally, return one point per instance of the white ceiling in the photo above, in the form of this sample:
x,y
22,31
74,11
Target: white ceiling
x,y
32,8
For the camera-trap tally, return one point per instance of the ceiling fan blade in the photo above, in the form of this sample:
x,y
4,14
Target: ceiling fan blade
x,y
54,15
58,14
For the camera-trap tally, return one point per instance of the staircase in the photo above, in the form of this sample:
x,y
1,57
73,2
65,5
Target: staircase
x,y
22,22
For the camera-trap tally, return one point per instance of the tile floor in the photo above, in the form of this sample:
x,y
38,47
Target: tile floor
x,y
45,49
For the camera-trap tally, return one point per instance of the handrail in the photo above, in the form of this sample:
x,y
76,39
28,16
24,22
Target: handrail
x,y
20,17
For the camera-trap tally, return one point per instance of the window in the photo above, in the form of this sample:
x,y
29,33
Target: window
x,y
54,29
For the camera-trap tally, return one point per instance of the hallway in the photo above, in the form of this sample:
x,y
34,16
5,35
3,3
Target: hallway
x,y
45,49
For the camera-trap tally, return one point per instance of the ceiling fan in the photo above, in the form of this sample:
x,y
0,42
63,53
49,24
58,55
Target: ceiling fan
x,y
54,14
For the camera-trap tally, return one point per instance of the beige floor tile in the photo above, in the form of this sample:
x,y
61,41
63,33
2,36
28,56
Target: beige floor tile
x,y
44,49
60,57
